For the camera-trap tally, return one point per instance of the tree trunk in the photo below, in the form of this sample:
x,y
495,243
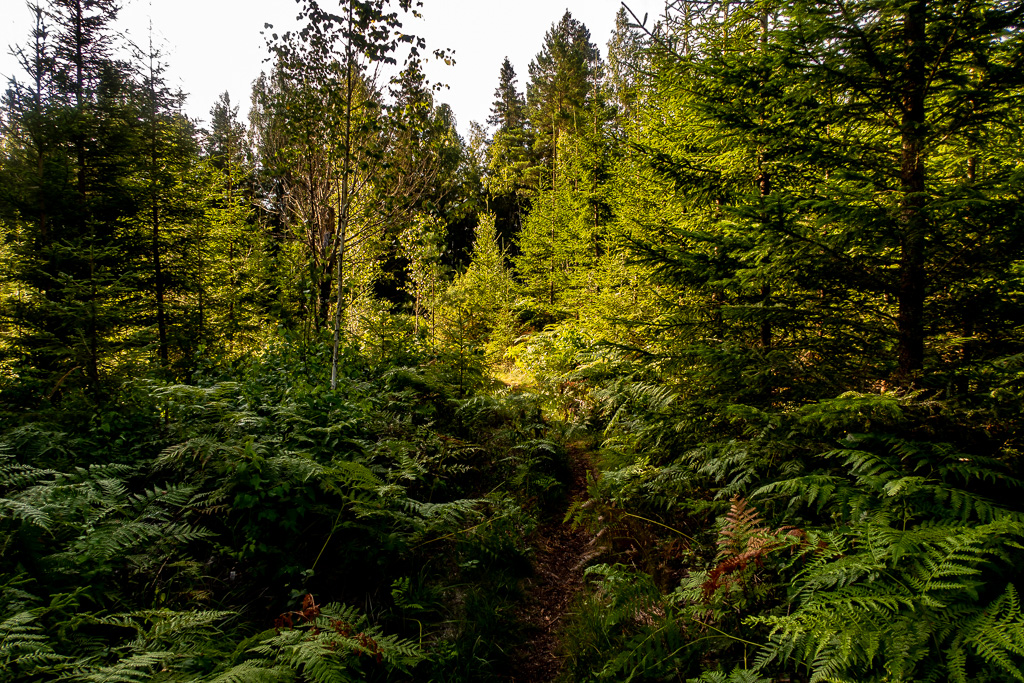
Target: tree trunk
x,y
764,188
161,313
343,210
913,219
158,275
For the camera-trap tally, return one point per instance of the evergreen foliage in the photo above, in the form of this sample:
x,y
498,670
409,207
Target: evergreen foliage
x,y
563,80
509,155
484,295
298,399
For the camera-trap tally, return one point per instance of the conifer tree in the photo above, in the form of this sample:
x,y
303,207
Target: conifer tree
x,y
805,230
564,247
561,242
169,207
485,293
709,161
509,107
563,78
625,58
232,252
73,147
509,155
423,247
908,99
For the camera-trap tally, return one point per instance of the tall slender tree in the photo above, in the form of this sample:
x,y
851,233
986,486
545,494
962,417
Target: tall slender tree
x,y
509,107
167,201
625,60
236,279
563,78
509,155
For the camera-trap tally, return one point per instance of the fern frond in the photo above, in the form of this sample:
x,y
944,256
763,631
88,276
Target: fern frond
x,y
256,671
20,634
181,632
26,512
15,476
345,473
736,676
997,634
742,523
136,668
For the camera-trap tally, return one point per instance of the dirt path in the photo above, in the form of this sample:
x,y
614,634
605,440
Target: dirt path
x,y
561,554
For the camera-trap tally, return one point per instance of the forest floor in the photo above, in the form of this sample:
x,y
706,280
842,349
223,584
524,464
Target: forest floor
x,y
561,554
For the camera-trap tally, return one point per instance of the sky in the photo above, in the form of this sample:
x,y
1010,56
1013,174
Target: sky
x,y
216,45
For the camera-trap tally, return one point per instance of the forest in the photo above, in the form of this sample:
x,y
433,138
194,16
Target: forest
x,y
701,360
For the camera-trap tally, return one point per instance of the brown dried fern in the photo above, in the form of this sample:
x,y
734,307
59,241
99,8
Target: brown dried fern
x,y
742,541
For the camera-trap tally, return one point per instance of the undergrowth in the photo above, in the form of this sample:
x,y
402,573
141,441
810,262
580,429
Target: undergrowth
x,y
863,537
259,526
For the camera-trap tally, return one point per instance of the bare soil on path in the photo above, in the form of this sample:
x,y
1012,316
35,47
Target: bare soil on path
x,y
560,557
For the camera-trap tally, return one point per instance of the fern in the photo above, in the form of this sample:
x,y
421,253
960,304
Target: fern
x,y
886,604
136,668
26,512
626,629
181,632
996,635
736,676
743,541
25,648
329,644
256,671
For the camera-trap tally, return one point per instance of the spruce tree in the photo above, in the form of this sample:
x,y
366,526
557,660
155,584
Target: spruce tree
x,y
509,155
509,107
485,294
73,147
564,242
563,78
909,99
625,59
797,144
563,239
168,206
232,249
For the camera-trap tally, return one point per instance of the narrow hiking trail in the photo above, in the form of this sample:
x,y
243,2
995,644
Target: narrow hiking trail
x,y
561,555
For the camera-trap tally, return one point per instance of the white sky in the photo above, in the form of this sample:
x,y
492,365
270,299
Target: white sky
x,y
215,45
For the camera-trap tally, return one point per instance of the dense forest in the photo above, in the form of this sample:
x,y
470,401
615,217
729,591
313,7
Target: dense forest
x,y
701,360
